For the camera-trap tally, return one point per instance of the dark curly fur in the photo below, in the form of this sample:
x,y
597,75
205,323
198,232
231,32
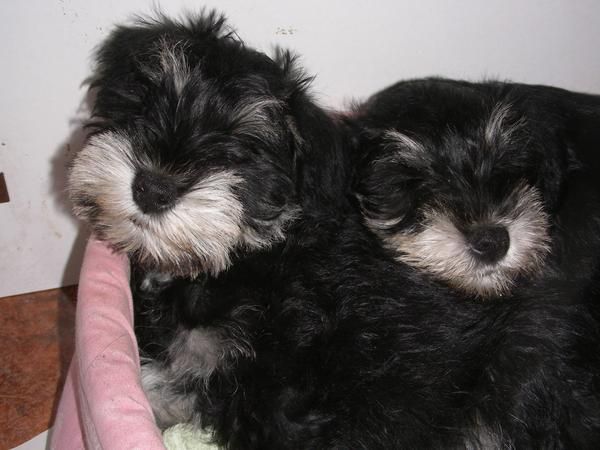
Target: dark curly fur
x,y
299,330
373,355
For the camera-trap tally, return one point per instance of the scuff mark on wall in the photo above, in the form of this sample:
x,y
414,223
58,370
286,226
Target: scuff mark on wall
x,y
286,31
55,229
68,11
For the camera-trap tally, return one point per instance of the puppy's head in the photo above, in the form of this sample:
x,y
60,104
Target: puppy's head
x,y
191,157
460,183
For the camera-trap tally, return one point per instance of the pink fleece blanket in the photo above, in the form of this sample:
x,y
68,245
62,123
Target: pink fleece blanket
x,y
102,404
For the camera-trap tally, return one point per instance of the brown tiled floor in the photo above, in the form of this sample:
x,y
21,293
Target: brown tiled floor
x,y
36,339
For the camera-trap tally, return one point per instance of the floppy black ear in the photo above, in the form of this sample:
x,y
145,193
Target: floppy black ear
x,y
318,140
584,131
568,137
581,149
296,80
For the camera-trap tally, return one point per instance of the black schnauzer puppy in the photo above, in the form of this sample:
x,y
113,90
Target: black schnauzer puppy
x,y
265,310
483,185
196,159
190,159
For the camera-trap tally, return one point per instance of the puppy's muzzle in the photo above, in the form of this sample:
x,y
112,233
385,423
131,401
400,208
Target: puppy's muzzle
x,y
488,242
153,192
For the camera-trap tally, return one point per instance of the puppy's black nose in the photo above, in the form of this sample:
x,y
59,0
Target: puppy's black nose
x,y
489,242
153,192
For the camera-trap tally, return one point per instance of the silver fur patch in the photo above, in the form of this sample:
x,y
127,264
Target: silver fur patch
x,y
441,249
405,149
173,64
496,132
270,231
254,118
193,357
173,61
204,225
382,224
169,406
484,437
153,280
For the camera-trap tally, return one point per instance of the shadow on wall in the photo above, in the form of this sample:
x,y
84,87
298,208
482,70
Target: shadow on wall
x,y
64,156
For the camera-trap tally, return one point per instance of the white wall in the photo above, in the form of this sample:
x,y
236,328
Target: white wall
x,y
354,47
